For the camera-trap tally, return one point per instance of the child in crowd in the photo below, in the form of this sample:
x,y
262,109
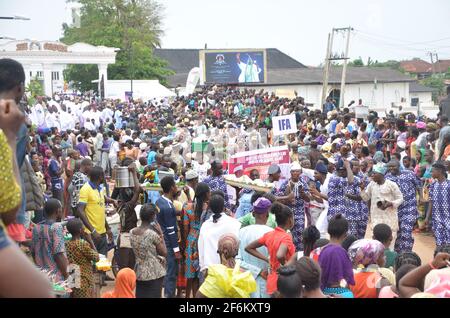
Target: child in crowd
x,y
47,246
383,233
279,244
392,291
81,253
289,283
125,285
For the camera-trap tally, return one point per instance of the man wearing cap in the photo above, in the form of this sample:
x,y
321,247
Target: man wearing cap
x,y
409,185
401,149
385,198
200,163
341,185
249,234
294,193
322,179
188,193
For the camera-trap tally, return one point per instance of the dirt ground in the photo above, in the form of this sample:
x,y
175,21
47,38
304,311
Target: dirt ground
x,y
424,245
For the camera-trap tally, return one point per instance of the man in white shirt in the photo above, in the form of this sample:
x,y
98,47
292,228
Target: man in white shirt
x,y
38,115
201,165
85,117
66,120
96,115
107,113
50,120
113,151
211,231
118,118
320,196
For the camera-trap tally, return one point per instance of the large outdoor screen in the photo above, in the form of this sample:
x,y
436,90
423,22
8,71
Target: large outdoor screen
x,y
234,66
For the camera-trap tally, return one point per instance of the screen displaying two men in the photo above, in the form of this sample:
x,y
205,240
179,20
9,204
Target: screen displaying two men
x,y
234,67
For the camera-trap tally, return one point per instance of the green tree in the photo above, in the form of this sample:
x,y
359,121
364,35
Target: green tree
x,y
357,62
81,76
435,81
133,26
35,89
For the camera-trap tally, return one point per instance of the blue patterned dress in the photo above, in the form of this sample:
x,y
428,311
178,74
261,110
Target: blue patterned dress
x,y
440,211
409,184
338,203
218,183
298,208
363,207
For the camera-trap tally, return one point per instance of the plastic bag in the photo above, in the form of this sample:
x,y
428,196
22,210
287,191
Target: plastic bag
x,y
224,282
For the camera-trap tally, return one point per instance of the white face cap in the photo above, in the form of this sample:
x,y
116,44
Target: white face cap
x,y
296,166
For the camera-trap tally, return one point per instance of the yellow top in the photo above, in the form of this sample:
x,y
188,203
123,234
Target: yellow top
x,y
10,192
95,207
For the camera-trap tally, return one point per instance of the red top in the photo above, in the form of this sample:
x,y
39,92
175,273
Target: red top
x,y
366,284
272,240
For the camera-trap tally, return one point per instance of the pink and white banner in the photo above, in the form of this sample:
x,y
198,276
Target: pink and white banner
x,y
261,160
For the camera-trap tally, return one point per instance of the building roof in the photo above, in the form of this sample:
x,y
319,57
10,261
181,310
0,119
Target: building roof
x,y
415,87
282,70
416,66
442,66
355,75
183,60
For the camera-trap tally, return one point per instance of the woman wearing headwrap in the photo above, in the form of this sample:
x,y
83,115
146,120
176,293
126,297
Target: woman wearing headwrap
x,y
385,198
368,257
227,280
378,157
336,267
125,285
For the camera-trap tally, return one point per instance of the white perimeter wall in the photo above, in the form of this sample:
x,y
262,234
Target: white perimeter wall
x,y
425,97
380,98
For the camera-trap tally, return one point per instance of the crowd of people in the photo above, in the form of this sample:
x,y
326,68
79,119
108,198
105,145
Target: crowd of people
x,y
339,223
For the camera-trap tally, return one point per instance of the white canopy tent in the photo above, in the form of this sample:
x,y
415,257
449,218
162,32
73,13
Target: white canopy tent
x,y
143,89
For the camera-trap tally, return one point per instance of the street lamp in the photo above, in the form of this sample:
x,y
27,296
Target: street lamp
x,y
16,17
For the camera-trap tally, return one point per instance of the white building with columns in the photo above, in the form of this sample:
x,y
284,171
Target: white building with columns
x,y
46,61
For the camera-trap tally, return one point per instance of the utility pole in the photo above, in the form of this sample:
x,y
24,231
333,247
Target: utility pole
x,y
331,57
326,69
344,70
432,62
438,63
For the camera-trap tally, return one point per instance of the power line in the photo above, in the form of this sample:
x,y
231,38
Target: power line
x,y
389,46
397,49
401,40
407,45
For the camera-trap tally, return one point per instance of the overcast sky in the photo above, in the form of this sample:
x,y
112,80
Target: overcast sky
x,y
384,29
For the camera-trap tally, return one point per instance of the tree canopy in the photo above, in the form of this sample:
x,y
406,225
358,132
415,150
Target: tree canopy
x,y
133,26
